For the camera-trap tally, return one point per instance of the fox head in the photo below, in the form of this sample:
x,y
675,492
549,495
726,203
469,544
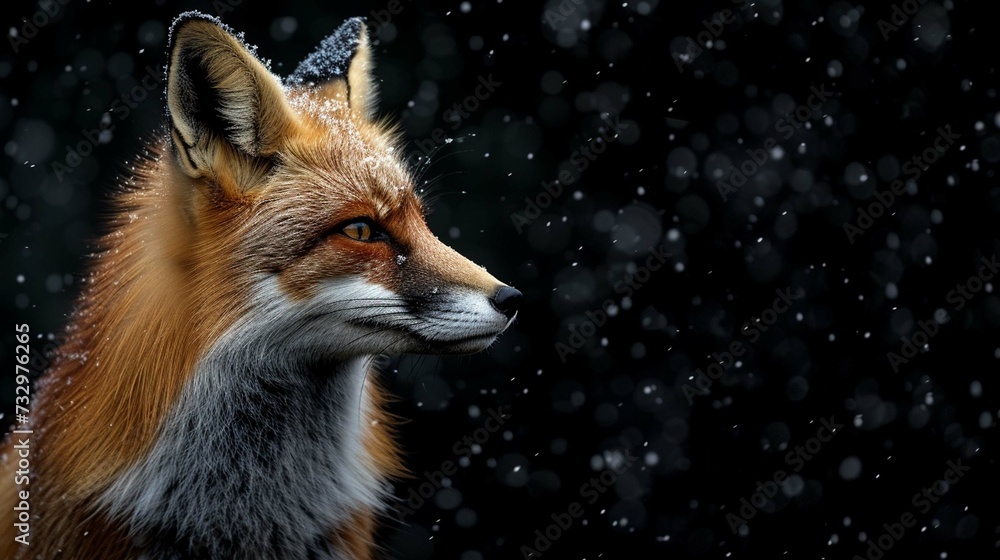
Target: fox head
x,y
305,198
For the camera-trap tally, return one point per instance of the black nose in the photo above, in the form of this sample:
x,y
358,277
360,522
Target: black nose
x,y
506,300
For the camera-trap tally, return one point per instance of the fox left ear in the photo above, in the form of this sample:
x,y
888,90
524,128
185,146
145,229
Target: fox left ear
x,y
219,96
341,67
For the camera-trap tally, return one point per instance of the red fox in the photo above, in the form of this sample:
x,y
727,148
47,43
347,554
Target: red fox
x,y
212,397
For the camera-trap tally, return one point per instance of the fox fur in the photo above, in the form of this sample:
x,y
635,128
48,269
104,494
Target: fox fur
x,y
213,395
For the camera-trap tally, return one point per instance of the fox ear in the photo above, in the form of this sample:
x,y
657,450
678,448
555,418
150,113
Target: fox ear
x,y
218,94
341,67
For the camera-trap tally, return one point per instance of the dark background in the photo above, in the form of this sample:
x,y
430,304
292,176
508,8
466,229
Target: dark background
x,y
654,185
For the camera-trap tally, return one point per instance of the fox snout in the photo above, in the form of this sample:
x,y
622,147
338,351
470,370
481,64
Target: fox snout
x,y
457,306
461,321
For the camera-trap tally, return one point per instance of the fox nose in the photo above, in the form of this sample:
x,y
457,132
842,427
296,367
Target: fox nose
x,y
506,300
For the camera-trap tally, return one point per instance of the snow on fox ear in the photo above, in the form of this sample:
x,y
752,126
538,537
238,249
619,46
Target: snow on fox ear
x,y
219,92
342,68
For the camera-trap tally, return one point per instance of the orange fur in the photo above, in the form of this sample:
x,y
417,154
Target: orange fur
x,y
356,537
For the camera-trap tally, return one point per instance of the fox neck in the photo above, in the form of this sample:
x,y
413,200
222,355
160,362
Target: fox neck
x,y
273,454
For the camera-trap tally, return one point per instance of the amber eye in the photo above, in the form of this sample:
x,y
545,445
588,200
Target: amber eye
x,y
358,230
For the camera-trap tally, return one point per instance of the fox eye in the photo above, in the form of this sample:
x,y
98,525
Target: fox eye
x,y
361,231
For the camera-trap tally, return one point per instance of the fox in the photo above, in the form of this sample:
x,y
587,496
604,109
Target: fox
x,y
215,393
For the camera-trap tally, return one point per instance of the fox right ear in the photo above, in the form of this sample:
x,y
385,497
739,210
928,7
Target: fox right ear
x,y
220,96
341,68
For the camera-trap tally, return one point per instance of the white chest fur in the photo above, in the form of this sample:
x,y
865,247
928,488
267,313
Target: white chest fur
x,y
257,460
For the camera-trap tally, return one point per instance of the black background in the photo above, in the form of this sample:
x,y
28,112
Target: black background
x,y
655,185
